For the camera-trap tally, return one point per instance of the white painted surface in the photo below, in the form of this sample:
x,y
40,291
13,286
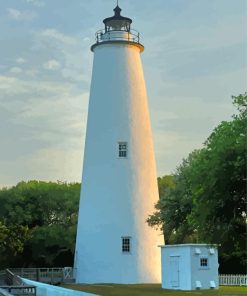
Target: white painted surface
x,y
49,290
115,35
233,280
4,292
117,194
181,268
174,270
182,257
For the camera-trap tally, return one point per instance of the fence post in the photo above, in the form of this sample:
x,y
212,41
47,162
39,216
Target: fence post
x,y
37,274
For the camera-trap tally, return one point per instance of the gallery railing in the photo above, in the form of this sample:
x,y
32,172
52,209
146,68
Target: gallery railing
x,y
117,35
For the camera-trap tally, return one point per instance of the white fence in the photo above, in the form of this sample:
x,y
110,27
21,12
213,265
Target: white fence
x,y
233,280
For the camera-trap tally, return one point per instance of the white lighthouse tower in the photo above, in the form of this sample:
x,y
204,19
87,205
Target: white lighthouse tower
x,y
119,186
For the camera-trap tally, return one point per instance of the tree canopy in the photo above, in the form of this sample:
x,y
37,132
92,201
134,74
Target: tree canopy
x,y
38,223
207,200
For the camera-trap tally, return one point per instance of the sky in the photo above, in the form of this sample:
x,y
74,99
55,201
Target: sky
x,y
194,61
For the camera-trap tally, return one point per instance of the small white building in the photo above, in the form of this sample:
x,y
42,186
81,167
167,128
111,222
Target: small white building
x,y
189,267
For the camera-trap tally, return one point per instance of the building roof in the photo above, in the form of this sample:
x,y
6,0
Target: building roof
x,y
117,17
189,245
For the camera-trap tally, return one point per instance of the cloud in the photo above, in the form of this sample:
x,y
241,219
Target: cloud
x,y
20,60
73,54
15,70
15,87
56,35
183,52
175,132
35,103
21,15
52,65
37,3
47,163
51,108
49,118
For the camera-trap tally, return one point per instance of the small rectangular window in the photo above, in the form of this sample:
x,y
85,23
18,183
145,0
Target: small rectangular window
x,y
204,262
126,246
122,149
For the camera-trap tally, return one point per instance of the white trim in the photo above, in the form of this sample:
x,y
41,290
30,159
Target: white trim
x,y
188,245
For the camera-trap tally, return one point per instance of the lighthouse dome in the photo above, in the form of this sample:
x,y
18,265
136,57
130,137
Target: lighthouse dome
x,y
117,30
117,22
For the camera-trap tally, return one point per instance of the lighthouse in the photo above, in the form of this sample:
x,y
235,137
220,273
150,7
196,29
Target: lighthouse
x,y
114,244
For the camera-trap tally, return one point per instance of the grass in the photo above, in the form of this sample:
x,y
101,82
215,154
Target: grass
x,y
153,290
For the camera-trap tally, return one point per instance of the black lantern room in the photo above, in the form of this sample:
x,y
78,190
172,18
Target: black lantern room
x,y
117,30
117,22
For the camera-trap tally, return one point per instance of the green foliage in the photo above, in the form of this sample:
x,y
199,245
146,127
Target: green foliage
x,y
241,104
38,223
175,205
207,202
12,240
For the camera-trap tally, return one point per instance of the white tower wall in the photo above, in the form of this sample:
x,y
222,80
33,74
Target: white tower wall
x,y
117,194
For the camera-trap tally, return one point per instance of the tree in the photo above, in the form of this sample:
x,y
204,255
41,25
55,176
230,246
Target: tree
x,y
207,203
218,179
38,223
12,239
174,206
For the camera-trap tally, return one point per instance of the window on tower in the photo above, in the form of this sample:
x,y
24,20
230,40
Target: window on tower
x,y
126,244
122,149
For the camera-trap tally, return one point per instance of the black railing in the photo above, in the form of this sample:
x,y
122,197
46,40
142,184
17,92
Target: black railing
x,y
20,290
132,36
16,286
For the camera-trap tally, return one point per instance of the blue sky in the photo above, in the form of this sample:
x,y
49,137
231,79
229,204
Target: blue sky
x,y
194,60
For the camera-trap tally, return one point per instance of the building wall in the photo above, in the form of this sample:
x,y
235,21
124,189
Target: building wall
x,y
184,265
117,194
191,274
204,275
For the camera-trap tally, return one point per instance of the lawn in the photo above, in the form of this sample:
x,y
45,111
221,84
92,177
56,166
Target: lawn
x,y
153,290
